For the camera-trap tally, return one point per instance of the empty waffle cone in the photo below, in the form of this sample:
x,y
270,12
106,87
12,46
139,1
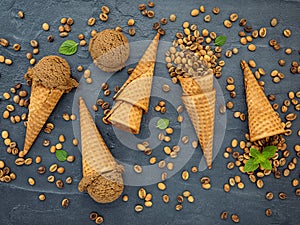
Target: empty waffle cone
x,y
201,110
42,102
263,121
102,176
199,98
132,100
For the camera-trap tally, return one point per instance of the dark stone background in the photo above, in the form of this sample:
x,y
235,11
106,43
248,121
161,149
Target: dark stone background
x,y
19,202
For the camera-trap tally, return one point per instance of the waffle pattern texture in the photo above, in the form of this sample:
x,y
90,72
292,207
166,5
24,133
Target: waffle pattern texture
x,y
263,121
199,99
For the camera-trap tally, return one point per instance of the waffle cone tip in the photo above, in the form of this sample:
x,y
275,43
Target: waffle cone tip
x,y
244,64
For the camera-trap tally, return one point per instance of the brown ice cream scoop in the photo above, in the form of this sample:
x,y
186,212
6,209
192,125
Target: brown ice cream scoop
x,y
109,50
103,188
52,72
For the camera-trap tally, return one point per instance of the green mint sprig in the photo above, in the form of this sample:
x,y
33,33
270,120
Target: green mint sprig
x,y
260,159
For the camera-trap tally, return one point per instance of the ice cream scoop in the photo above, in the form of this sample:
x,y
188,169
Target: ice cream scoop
x,y
52,72
109,50
103,188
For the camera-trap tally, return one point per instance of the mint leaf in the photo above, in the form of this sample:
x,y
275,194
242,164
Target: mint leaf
x,y
266,165
69,47
254,152
269,151
251,165
162,123
61,155
221,40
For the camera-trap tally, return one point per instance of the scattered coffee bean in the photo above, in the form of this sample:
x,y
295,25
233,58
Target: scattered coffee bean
x,y
268,212
282,195
93,216
65,203
235,218
224,215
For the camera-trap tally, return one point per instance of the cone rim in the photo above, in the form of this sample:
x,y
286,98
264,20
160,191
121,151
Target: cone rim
x,y
269,134
123,126
120,124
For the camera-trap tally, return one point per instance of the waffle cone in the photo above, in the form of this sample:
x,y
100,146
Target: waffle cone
x,y
134,96
42,102
263,121
199,98
96,157
201,110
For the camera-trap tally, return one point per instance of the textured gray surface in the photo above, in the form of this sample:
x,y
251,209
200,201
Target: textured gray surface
x,y
19,202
